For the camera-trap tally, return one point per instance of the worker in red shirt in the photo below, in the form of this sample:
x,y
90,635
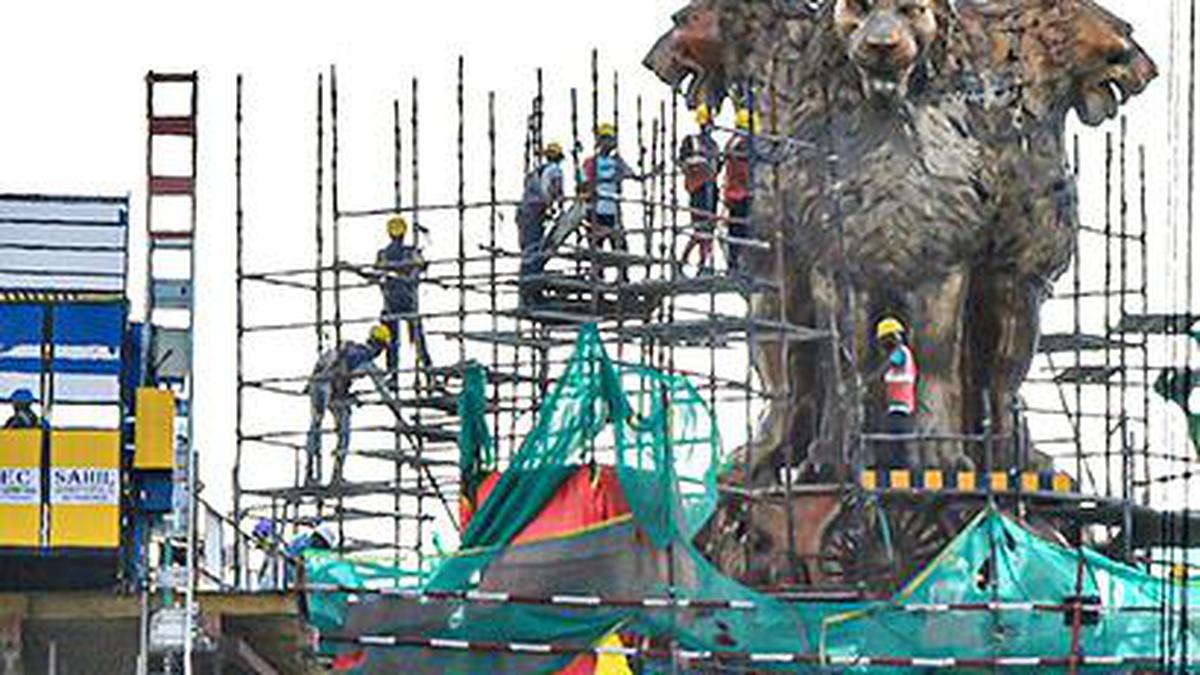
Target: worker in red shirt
x,y
701,159
737,189
900,384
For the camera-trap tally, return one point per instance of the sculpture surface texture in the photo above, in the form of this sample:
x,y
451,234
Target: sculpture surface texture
x,y
912,163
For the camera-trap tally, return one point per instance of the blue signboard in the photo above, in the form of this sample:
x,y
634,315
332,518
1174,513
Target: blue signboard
x,y
75,347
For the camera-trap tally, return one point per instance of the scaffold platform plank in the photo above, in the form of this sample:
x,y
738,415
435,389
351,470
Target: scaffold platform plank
x,y
1157,324
513,339
718,331
343,490
1057,343
353,514
1087,375
406,457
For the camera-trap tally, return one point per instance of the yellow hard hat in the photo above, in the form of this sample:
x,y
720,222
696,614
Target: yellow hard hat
x,y
553,150
888,327
1180,572
744,119
703,115
397,227
606,130
382,334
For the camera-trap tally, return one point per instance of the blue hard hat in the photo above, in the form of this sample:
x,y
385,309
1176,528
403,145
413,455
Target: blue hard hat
x,y
264,528
22,396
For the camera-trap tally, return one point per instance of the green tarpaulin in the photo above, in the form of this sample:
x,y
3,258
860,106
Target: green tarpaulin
x,y
656,430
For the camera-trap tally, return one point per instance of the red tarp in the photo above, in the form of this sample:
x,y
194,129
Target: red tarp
x,y
590,496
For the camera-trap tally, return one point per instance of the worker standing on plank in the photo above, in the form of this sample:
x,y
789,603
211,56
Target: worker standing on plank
x,y
701,159
737,190
900,383
603,174
542,199
329,389
23,416
399,266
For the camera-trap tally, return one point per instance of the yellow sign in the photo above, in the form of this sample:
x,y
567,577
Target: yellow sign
x,y
85,489
155,437
20,488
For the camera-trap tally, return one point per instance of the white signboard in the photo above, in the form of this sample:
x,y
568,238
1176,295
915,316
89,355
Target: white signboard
x,y
167,626
63,243
85,486
20,486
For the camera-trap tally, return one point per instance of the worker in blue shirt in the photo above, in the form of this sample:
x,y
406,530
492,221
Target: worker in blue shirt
x,y
398,269
323,537
603,174
329,390
543,195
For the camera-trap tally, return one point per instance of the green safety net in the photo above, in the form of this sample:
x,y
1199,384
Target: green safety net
x,y
657,432
996,560
1176,385
477,452
654,427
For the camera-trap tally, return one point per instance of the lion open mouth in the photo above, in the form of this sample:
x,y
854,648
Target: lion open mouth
x,y
884,81
1130,72
689,57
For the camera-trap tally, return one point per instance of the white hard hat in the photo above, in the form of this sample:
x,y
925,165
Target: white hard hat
x,y
327,533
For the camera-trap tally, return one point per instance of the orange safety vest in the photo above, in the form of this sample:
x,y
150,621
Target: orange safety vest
x,y
901,384
737,169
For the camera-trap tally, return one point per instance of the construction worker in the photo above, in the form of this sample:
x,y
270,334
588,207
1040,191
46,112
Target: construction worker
x,y
737,188
23,416
323,537
399,266
265,537
541,200
701,159
329,389
603,174
900,385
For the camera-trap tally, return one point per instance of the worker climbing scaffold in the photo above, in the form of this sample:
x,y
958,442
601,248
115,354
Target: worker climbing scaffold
x,y
542,201
701,159
329,389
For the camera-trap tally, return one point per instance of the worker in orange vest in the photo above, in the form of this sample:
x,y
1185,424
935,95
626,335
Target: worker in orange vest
x,y
701,159
737,189
900,384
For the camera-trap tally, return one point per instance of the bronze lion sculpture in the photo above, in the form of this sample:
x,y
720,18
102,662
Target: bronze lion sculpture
x,y
914,164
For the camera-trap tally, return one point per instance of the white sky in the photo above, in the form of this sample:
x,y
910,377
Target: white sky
x,y
74,123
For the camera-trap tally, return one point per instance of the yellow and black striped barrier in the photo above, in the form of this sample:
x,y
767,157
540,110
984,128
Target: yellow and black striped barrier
x,y
937,480
56,297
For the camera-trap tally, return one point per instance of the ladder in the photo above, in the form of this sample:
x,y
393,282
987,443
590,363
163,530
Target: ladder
x,y
171,175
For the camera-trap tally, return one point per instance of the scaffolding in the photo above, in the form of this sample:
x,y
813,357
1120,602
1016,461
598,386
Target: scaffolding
x,y
659,313
1089,402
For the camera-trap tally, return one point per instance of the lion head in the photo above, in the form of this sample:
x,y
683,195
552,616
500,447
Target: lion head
x,y
1058,55
719,47
1110,66
888,41
716,46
